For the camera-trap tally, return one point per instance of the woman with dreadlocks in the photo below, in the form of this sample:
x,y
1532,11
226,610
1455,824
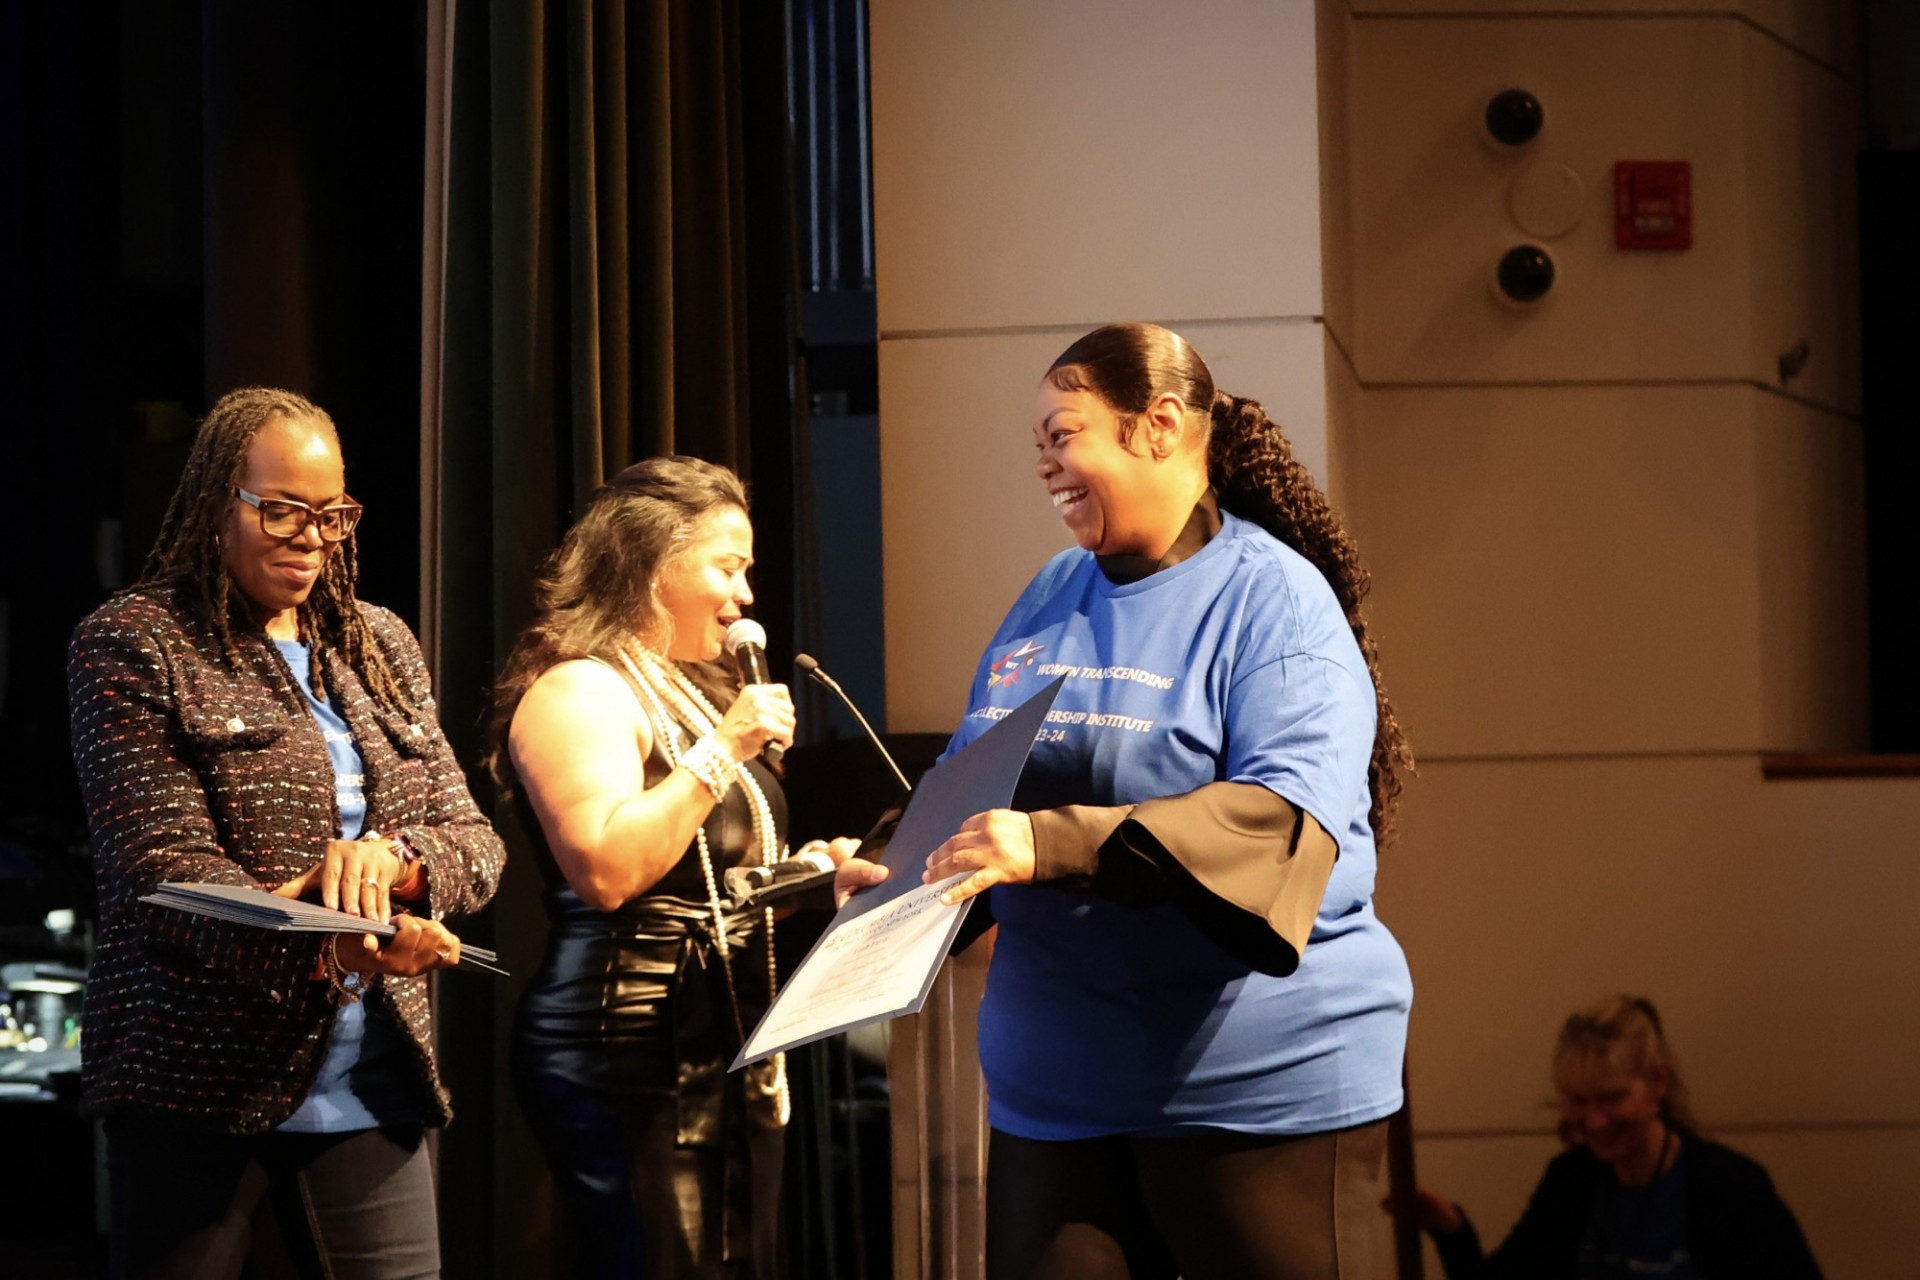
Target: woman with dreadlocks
x,y
240,718
1193,1025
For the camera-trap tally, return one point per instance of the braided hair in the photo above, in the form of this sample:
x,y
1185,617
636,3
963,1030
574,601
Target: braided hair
x,y
1256,477
188,555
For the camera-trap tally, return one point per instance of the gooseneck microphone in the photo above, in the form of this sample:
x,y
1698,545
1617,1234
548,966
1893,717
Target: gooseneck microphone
x,y
813,671
747,642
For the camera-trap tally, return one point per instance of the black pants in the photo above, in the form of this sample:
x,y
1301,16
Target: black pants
x,y
338,1206
1216,1206
666,1162
639,1203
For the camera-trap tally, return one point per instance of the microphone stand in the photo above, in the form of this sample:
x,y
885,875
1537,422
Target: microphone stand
x,y
815,672
755,887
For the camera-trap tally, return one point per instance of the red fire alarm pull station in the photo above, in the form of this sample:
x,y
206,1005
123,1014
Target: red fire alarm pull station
x,y
1653,204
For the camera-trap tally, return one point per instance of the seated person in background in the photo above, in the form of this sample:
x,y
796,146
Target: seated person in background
x,y
1639,1193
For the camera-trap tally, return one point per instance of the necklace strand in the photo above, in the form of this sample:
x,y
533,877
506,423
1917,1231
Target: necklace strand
x,y
663,682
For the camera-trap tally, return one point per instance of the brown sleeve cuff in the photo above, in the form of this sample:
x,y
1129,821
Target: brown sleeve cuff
x,y
1067,842
1238,860
1246,864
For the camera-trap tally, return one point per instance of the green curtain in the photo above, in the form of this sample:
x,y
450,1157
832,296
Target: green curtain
x,y
619,281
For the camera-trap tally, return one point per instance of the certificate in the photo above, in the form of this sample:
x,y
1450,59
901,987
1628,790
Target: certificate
x,y
879,956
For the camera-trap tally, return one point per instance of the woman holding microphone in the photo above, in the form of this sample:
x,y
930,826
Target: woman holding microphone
x,y
640,762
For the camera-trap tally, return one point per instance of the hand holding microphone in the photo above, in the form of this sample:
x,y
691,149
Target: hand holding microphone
x,y
812,866
761,720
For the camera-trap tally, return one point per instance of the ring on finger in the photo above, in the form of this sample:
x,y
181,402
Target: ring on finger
x,y
372,881
444,952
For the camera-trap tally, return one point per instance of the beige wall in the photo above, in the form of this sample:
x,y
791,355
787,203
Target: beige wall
x,y
1040,167
1615,559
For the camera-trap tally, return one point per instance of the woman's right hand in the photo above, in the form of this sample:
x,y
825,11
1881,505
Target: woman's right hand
x,y
1436,1214
418,946
762,713
854,875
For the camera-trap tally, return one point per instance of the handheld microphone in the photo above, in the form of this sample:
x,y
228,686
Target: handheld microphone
x,y
747,642
813,671
745,883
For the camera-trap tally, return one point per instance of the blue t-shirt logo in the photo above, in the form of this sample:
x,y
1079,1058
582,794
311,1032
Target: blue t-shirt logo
x,y
1007,670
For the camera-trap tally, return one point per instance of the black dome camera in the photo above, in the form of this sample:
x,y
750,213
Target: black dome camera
x,y
1525,273
1514,117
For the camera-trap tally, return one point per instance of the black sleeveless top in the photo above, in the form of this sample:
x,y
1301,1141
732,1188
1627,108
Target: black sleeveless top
x,y
729,828
626,997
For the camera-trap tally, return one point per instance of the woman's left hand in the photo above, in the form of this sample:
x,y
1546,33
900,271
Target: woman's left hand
x,y
837,850
357,876
996,846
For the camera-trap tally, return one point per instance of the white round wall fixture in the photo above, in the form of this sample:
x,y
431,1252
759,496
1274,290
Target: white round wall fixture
x,y
1547,200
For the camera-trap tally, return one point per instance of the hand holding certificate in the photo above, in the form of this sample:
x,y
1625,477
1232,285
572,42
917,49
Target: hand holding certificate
x,y
239,904
878,958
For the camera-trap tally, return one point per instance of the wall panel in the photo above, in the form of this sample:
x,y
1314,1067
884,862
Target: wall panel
x,y
1771,922
1040,162
1810,561
1804,128
1431,196
1822,29
1561,570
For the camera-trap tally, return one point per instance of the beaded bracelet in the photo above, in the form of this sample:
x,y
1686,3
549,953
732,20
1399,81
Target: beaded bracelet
x,y
708,761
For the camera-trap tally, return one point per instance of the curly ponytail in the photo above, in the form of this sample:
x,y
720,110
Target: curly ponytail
x,y
1256,477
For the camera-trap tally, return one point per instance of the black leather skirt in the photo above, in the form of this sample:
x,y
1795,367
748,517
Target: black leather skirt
x,y
638,1000
620,1055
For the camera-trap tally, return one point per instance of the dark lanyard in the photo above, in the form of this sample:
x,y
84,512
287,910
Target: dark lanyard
x,y
1631,1246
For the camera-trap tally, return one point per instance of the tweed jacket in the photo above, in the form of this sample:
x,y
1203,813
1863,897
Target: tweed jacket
x,y
197,769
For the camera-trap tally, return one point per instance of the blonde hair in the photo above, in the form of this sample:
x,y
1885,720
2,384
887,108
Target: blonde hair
x,y
1622,1034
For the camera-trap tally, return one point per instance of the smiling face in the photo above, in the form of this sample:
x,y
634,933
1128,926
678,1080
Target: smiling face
x,y
704,590
1108,493
293,459
1616,1113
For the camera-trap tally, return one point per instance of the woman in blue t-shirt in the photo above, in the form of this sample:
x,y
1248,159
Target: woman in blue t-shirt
x,y
1194,1023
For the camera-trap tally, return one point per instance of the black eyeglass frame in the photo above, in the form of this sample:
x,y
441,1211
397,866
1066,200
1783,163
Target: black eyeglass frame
x,y
346,513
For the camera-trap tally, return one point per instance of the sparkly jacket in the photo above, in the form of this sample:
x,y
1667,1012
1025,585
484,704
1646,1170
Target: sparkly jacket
x,y
194,769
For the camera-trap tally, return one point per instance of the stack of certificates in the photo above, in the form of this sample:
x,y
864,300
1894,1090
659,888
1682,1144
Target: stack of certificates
x,y
262,910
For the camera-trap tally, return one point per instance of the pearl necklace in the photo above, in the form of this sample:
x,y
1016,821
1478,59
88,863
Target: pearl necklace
x,y
666,685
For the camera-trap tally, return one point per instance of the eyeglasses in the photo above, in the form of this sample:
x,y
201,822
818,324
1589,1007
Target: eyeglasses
x,y
285,518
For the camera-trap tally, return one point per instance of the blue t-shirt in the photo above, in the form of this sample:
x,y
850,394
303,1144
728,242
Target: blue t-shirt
x,y
362,1082
1236,665
1640,1231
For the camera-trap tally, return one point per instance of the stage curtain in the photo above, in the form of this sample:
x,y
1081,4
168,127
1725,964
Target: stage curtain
x,y
611,276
